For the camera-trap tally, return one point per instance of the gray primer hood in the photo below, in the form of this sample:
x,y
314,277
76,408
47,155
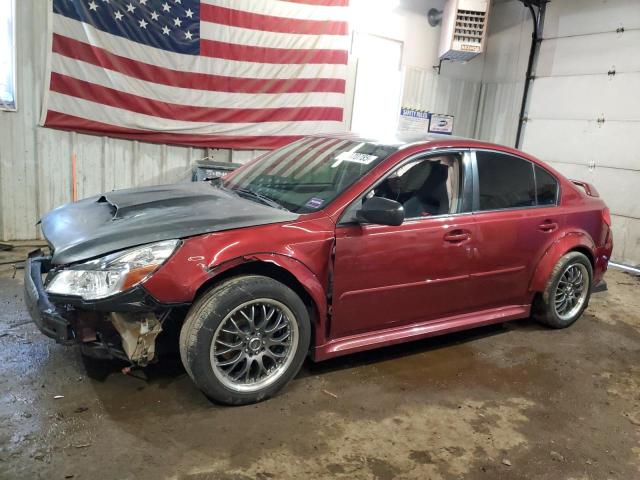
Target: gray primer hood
x,y
126,218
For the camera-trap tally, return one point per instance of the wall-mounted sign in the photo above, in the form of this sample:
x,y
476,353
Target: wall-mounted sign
x,y
413,120
441,124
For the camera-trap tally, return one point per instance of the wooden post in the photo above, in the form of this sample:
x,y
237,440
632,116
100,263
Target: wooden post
x,y
74,178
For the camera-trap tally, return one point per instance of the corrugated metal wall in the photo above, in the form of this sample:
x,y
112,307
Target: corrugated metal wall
x,y
505,63
425,90
486,98
499,111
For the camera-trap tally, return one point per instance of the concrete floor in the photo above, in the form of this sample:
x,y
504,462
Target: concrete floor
x,y
507,401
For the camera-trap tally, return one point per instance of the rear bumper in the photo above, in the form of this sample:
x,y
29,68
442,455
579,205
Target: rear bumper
x,y
45,315
602,255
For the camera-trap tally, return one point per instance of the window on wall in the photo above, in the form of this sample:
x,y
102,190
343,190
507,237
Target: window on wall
x,y
7,55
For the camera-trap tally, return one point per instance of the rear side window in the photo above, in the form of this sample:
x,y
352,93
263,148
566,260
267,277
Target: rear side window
x,y
546,187
504,181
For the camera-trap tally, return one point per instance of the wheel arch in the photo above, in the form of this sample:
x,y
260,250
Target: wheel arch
x,y
287,271
586,252
575,241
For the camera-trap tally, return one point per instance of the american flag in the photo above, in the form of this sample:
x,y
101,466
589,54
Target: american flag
x,y
215,73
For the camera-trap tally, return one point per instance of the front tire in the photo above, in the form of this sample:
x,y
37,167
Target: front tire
x,y
245,339
567,292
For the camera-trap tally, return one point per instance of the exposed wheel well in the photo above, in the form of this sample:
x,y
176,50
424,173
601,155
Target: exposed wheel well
x,y
268,270
586,252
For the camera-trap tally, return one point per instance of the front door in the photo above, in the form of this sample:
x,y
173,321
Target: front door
x,y
386,276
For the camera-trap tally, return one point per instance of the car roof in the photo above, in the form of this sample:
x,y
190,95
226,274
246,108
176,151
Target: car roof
x,y
411,139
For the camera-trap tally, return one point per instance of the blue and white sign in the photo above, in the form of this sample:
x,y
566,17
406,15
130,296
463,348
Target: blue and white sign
x,y
413,120
441,124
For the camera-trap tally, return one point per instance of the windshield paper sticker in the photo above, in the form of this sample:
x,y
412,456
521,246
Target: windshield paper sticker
x,y
314,202
354,157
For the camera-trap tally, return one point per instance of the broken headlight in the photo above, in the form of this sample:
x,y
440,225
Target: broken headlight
x,y
113,273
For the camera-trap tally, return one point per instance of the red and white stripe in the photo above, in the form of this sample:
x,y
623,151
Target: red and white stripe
x,y
269,71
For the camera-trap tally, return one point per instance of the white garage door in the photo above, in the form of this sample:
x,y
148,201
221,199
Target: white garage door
x,y
583,118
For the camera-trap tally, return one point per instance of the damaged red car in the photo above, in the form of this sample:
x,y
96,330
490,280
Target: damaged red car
x,y
327,246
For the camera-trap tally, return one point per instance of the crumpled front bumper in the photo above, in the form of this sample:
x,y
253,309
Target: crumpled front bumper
x,y
45,315
123,326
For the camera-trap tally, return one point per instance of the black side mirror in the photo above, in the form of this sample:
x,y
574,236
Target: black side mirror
x,y
382,211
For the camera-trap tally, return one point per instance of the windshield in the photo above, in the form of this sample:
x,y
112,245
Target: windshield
x,y
306,175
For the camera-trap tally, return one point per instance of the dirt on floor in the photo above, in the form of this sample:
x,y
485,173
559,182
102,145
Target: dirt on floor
x,y
509,401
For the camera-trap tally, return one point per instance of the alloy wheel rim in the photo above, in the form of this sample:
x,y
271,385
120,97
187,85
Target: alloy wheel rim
x,y
571,291
254,345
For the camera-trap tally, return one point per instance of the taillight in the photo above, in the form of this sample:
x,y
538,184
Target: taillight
x,y
606,216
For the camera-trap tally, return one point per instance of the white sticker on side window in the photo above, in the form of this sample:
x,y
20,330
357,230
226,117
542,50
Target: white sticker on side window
x,y
354,157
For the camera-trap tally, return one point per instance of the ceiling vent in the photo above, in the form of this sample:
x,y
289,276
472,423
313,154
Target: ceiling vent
x,y
464,29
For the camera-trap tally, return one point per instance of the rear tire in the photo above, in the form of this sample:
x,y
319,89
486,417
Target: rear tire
x,y
567,292
245,339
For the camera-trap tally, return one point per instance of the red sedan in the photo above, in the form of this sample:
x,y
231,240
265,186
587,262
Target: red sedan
x,y
328,246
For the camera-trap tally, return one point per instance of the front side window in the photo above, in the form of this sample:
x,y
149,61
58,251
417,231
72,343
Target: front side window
x,y
504,181
425,187
7,56
307,175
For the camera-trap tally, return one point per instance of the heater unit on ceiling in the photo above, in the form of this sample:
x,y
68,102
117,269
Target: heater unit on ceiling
x,y
464,29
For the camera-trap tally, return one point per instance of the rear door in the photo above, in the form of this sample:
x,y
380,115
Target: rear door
x,y
516,214
387,276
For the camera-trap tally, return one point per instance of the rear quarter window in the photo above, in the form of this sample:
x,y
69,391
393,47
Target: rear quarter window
x,y
546,187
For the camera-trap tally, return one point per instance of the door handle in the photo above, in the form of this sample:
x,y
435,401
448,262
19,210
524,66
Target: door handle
x,y
548,226
457,236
